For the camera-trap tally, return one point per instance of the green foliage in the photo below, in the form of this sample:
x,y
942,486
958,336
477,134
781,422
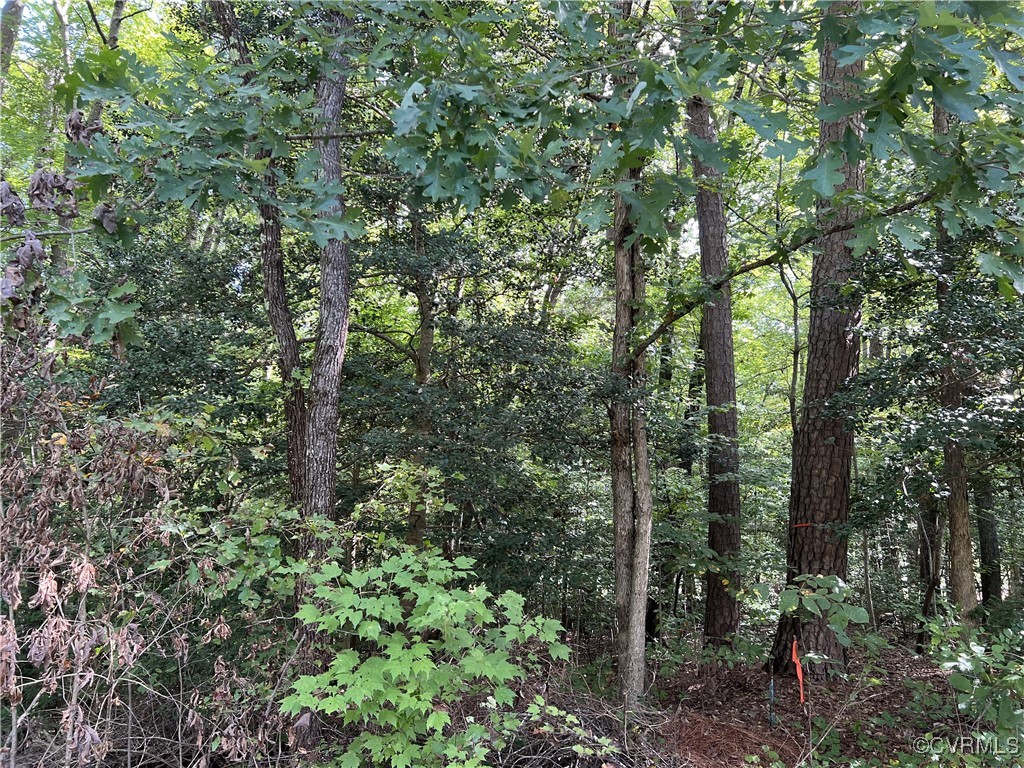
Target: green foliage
x,y
419,641
823,596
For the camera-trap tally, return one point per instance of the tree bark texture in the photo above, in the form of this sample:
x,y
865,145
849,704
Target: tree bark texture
x,y
632,499
823,447
321,486
722,609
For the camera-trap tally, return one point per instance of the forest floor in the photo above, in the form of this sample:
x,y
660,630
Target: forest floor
x,y
882,709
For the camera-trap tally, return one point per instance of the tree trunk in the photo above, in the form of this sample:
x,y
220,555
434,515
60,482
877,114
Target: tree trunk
x,y
321,486
689,449
113,32
632,500
929,552
275,292
962,591
10,23
823,448
632,497
988,541
423,361
722,609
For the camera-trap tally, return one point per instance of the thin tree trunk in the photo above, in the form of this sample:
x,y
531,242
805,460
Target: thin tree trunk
x,y
321,486
275,292
722,608
988,541
794,373
665,369
632,499
113,33
423,361
958,509
10,24
823,447
690,450
929,553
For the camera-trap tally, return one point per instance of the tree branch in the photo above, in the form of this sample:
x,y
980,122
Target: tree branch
x,y
344,135
96,22
781,253
389,340
48,233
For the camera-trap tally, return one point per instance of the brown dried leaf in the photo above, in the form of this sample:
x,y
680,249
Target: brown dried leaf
x,y
30,250
11,205
10,583
75,128
104,214
84,574
9,662
46,595
41,191
10,282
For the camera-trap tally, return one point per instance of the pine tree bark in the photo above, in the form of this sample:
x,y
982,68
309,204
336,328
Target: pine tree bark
x,y
823,447
722,608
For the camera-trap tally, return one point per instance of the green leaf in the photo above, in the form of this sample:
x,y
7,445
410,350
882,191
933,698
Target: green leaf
x,y
358,579
407,114
115,313
961,683
1010,65
856,614
789,600
639,89
825,175
909,237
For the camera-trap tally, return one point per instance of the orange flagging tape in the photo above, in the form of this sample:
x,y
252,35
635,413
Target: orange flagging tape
x,y
799,670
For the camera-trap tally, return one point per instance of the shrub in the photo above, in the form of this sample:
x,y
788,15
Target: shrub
x,y
420,643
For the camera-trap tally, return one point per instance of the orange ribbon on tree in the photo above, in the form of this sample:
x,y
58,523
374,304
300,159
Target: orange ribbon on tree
x,y
799,669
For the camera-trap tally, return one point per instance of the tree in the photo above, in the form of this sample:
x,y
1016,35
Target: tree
x,y
722,608
823,446
958,506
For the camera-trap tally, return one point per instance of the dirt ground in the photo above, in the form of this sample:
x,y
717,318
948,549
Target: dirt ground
x,y
723,717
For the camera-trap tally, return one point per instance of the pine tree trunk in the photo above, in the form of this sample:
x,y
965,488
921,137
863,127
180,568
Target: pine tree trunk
x,y
823,447
722,609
